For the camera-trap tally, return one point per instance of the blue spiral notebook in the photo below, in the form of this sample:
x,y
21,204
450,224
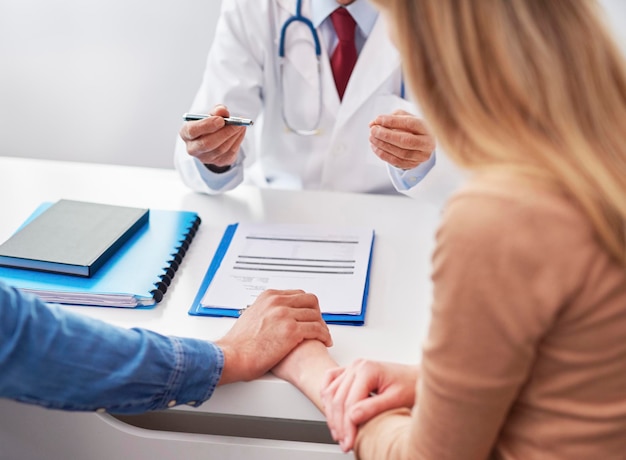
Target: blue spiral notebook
x,y
267,258
136,276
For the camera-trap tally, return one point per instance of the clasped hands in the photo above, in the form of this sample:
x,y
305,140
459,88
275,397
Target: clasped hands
x,y
276,323
283,331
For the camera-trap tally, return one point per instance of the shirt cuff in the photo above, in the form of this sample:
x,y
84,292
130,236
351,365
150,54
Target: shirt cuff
x,y
222,181
197,370
404,180
217,169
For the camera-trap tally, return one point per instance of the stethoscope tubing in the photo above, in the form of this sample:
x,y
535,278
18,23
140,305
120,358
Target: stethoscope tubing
x,y
298,17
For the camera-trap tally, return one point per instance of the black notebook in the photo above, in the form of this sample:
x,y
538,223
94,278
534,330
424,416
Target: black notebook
x,y
72,237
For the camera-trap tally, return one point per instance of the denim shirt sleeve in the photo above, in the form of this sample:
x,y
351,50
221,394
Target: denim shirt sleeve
x,y
62,360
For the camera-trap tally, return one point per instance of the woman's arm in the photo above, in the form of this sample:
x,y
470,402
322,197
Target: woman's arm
x,y
305,368
345,395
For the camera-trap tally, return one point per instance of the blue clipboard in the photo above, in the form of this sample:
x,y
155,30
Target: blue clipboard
x,y
197,309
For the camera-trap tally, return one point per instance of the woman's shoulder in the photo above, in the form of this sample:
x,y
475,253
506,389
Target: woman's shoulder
x,y
516,215
519,231
507,199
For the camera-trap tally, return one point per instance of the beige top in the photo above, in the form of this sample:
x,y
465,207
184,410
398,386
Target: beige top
x,y
526,353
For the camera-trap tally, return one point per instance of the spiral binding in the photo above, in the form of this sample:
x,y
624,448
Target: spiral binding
x,y
172,265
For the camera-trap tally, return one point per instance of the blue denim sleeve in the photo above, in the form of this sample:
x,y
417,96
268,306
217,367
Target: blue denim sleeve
x,y
61,360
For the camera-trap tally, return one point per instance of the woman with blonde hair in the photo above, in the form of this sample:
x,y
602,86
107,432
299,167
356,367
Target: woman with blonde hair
x,y
526,352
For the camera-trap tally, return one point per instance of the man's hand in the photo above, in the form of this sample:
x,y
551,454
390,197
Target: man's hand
x,y
353,395
268,330
401,139
212,141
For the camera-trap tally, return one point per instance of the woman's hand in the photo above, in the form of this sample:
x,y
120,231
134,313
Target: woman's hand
x,y
353,395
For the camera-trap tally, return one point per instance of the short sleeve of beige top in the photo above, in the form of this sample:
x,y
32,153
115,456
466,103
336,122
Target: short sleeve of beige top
x,y
526,353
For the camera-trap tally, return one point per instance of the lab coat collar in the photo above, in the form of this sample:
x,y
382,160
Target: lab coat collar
x,y
377,61
290,6
361,10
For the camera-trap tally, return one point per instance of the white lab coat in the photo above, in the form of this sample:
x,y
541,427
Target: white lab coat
x,y
242,72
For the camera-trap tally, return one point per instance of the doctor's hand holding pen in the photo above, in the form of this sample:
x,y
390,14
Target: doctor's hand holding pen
x,y
214,139
401,139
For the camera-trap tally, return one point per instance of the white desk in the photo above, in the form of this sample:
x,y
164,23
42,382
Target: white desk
x,y
396,320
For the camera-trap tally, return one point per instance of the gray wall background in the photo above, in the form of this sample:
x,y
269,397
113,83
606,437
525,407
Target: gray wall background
x,y
107,81
103,81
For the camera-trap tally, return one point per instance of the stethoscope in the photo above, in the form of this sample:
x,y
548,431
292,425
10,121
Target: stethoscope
x,y
298,17
281,59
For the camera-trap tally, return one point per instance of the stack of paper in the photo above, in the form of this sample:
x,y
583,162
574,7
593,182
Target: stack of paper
x,y
330,262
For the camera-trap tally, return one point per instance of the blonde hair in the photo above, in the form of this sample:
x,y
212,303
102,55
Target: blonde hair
x,y
533,85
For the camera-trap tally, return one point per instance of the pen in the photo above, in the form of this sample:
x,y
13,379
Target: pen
x,y
234,121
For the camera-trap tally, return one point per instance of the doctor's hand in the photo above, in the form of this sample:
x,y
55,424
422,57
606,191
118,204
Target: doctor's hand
x,y
401,139
355,394
212,141
268,330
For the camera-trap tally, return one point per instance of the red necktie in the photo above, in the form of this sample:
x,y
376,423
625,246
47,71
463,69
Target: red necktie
x,y
345,55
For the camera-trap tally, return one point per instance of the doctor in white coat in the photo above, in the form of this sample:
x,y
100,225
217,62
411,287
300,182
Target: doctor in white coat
x,y
304,135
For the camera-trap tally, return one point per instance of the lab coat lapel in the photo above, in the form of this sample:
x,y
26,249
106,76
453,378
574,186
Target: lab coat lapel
x,y
302,58
377,61
330,96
